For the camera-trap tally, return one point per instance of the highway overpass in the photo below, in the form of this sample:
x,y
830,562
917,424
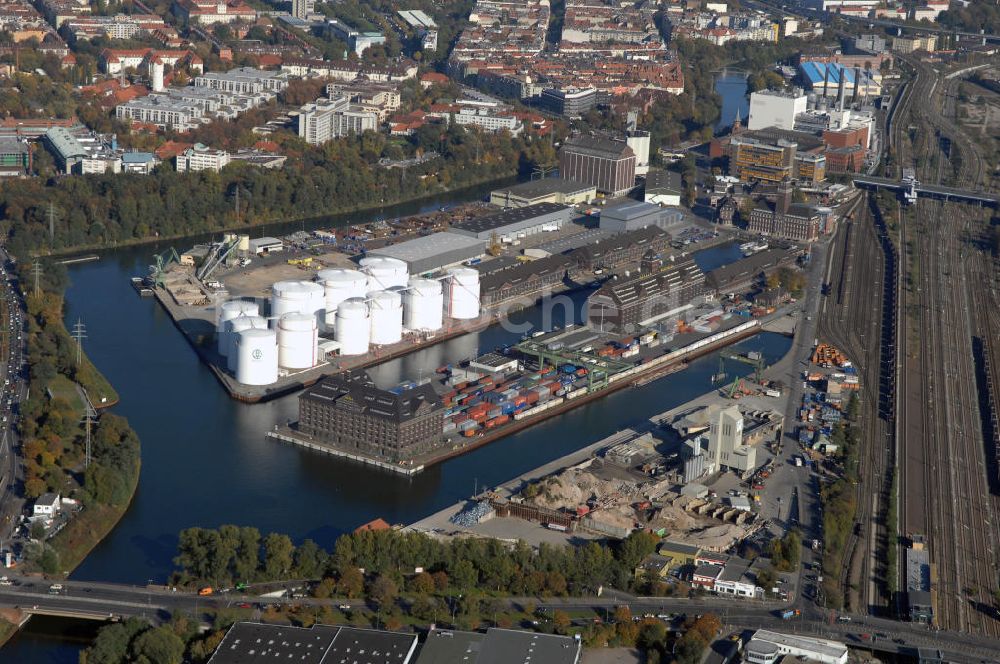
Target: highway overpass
x,y
916,189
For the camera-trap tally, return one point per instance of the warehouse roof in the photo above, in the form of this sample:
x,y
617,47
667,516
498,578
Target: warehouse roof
x,y
748,267
508,217
630,210
431,246
355,390
827,649
618,242
663,181
595,146
65,142
551,266
498,646
246,643
546,186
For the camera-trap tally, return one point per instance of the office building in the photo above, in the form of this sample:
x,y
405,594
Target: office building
x,y
244,80
546,190
349,412
201,158
784,219
657,292
516,222
570,103
487,119
606,163
914,43
327,119
358,41
303,8
771,108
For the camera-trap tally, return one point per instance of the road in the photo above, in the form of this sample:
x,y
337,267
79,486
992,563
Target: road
x,y
156,603
13,373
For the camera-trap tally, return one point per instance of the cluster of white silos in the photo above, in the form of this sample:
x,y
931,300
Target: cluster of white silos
x,y
373,305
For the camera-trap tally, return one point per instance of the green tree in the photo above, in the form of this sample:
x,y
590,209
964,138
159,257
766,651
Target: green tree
x,y
278,551
112,642
464,575
158,645
351,583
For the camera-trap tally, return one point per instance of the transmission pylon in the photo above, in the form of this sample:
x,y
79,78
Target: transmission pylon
x,y
79,333
36,271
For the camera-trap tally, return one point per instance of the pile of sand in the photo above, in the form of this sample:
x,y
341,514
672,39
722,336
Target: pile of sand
x,y
574,487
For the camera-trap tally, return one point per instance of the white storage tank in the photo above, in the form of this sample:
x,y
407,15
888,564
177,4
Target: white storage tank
x,y
338,285
386,309
384,272
257,357
298,336
301,297
353,326
237,325
423,305
227,312
462,293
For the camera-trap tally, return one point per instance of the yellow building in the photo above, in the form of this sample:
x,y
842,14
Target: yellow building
x,y
678,553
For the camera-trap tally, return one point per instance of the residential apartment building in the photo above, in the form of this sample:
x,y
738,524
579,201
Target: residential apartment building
x,y
244,80
914,43
211,12
606,163
327,119
487,120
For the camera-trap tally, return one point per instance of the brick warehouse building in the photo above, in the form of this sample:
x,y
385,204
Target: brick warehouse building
x,y
657,290
349,412
606,163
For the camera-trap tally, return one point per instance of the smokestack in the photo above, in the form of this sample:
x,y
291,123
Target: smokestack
x,y
857,84
156,73
826,79
842,92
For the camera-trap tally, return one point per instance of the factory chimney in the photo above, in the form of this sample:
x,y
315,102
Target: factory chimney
x,y
842,92
156,73
826,79
784,200
857,84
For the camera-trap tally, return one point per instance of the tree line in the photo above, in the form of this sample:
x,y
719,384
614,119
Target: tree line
x,y
414,562
106,210
52,437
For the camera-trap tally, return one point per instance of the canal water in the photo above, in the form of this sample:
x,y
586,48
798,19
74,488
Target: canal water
x,y
732,87
206,462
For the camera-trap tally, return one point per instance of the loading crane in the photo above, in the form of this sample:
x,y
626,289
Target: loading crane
x,y
755,360
163,261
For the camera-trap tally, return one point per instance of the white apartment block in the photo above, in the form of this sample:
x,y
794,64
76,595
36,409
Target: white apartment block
x,y
201,158
163,111
244,80
481,117
327,119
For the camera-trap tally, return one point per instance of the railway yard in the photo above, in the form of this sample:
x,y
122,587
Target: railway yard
x,y
914,300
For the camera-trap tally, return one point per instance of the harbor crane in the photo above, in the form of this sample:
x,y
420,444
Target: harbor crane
x,y
163,261
754,359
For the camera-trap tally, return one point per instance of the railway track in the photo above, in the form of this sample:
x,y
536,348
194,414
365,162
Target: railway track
x,y
944,474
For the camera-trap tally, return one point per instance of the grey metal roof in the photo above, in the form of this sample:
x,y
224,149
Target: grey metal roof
x,y
546,186
507,646
663,181
509,217
65,143
598,147
630,210
250,643
430,246
451,647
